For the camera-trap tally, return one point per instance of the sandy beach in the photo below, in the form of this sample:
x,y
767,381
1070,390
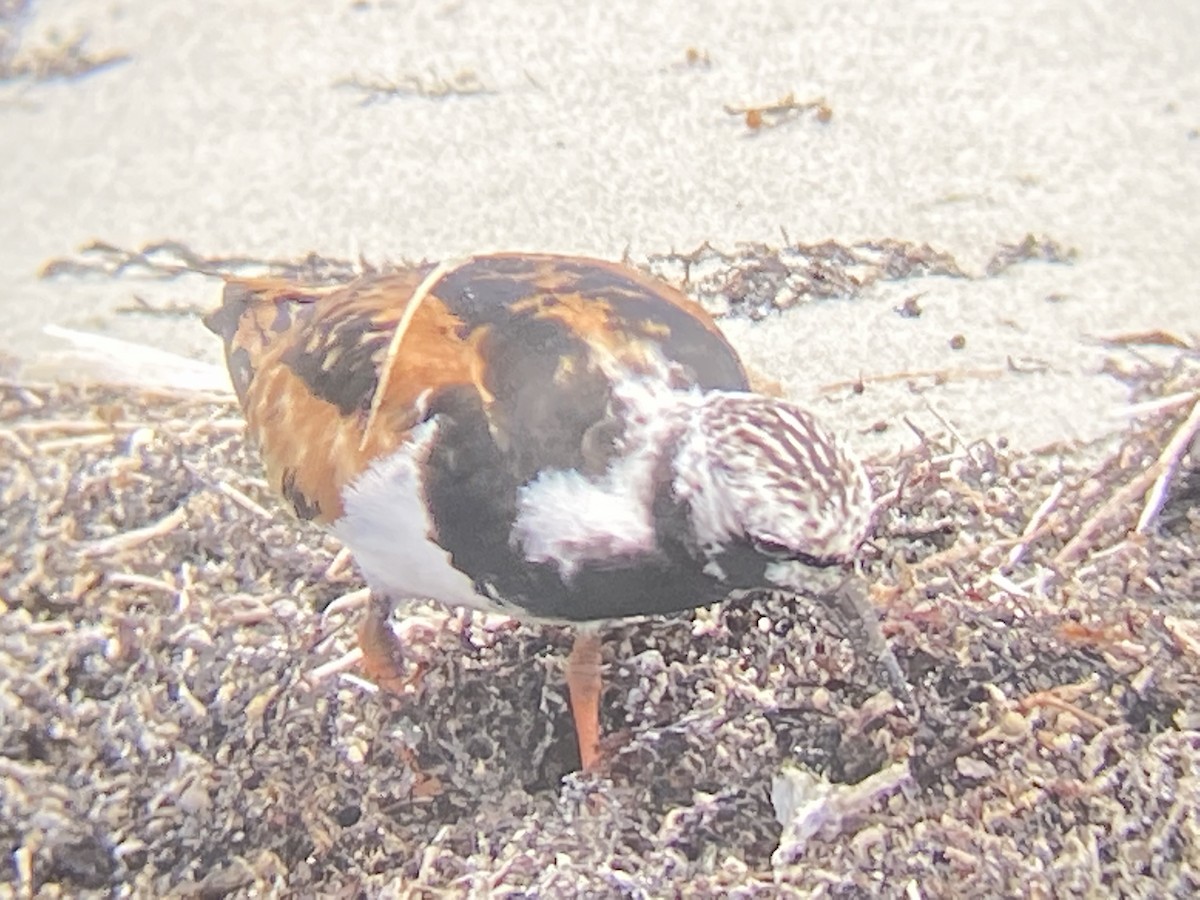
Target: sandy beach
x,y
441,129
933,229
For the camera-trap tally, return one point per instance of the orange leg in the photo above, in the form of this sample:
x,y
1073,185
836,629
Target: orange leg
x,y
387,658
583,684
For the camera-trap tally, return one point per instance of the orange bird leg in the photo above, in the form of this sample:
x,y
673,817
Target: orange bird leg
x,y
583,684
385,656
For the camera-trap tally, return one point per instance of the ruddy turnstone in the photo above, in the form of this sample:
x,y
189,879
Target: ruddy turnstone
x,y
547,437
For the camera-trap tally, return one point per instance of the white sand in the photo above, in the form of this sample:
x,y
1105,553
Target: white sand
x,y
225,131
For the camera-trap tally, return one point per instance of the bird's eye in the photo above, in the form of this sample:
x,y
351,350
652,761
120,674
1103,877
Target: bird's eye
x,y
776,549
779,550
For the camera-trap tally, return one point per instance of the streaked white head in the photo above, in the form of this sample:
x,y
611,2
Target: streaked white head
x,y
763,471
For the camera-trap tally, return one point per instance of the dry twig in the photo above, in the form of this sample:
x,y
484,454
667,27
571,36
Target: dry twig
x,y
132,579
136,537
242,500
1053,698
1033,527
463,83
772,115
1156,478
1167,465
937,376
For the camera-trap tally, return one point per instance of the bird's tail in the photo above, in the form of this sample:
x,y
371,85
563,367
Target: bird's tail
x,y
254,313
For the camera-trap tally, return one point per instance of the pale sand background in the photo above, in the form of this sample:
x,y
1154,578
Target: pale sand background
x,y
953,124
224,131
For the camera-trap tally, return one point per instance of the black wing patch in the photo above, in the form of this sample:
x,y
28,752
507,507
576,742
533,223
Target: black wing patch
x,y
709,362
547,394
640,311
338,360
305,508
481,291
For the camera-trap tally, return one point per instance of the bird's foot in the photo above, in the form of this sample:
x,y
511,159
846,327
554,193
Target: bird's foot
x,y
393,657
396,656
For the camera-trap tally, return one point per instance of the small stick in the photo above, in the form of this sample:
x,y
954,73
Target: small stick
x,y
782,110
346,602
858,620
1084,540
13,437
242,500
1157,476
78,440
347,660
339,563
53,627
70,426
956,552
921,436
183,597
132,579
423,290
946,424
1049,698
26,389
136,537
1186,633
1034,525
1159,404
1007,585
95,426
218,425
1167,464
249,615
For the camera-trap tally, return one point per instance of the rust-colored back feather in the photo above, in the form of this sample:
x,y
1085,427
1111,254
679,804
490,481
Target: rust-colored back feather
x,y
306,364
331,378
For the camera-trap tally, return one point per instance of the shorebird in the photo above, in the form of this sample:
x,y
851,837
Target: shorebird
x,y
546,437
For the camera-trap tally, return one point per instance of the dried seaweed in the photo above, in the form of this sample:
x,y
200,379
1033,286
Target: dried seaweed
x,y
1041,249
429,86
160,623
754,280
167,259
60,57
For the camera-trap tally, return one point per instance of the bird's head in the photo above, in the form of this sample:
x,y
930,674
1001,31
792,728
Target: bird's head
x,y
769,491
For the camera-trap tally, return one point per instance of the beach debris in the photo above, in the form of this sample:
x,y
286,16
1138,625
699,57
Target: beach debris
x,y
1030,248
428,86
784,110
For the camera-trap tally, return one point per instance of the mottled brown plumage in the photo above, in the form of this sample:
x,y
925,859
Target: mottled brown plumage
x,y
306,362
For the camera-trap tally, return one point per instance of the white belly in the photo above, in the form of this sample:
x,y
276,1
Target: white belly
x,y
388,529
